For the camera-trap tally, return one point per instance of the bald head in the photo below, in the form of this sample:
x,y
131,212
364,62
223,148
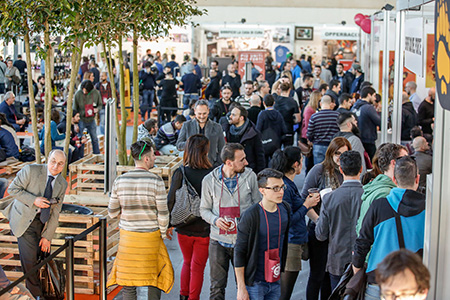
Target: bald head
x,y
412,85
432,92
420,144
405,97
255,100
325,102
56,161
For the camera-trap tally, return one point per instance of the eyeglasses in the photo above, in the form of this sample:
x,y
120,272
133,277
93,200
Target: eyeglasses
x,y
337,153
276,189
403,296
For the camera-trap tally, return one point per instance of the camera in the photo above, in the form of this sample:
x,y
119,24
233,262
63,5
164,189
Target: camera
x,y
153,69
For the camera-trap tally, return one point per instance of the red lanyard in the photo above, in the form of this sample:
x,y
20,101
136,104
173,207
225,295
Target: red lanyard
x,y
267,222
237,187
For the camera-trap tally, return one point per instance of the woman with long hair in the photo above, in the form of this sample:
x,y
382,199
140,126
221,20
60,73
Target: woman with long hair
x,y
193,237
289,162
310,109
55,135
323,176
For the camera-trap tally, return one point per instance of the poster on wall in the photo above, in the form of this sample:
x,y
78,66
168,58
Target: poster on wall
x,y
430,79
256,56
408,75
442,24
414,45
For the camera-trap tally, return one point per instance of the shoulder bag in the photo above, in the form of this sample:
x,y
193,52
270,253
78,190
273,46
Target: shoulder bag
x,y
187,203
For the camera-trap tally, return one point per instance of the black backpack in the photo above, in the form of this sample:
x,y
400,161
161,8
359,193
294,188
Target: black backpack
x,y
271,141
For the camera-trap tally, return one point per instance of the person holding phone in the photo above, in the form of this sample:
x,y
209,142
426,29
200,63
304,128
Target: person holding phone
x,y
38,192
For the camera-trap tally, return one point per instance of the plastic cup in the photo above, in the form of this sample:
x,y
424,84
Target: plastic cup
x,y
312,191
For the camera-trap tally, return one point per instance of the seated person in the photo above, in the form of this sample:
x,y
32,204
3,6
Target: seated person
x,y
77,139
8,144
7,107
167,136
148,129
6,125
55,135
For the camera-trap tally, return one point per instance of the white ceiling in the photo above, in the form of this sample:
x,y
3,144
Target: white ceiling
x,y
354,4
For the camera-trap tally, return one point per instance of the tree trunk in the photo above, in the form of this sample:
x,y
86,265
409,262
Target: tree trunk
x,y
123,111
135,92
37,148
114,95
48,92
76,61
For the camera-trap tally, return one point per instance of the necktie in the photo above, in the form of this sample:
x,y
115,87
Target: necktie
x,y
45,212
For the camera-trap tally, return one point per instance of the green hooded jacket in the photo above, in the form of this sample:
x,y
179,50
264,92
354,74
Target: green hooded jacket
x,y
378,188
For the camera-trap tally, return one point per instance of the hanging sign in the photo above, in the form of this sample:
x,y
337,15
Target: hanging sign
x,y
414,45
340,34
241,33
442,56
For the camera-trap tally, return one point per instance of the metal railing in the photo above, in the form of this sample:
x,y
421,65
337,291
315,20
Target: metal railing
x,y
69,248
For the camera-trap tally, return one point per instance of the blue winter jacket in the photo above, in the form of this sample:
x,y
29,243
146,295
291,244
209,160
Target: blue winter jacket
x,y
379,229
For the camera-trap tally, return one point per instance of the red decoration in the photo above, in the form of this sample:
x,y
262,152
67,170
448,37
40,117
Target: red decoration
x,y
358,18
366,25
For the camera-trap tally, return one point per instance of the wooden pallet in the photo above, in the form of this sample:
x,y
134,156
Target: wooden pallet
x,y
86,176
86,251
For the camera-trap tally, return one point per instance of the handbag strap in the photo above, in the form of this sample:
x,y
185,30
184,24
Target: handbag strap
x,y
187,182
401,237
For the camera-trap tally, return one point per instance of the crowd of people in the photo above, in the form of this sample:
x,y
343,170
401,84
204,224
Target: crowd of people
x,y
235,197
235,200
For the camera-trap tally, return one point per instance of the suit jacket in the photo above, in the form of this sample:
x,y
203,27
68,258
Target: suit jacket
x,y
213,131
29,184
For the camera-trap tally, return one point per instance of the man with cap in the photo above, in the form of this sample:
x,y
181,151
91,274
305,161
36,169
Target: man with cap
x,y
359,78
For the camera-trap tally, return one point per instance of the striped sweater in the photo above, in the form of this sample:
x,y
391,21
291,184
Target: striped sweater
x,y
322,127
140,198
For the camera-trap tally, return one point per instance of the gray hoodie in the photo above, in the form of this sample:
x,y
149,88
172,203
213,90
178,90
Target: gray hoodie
x,y
211,190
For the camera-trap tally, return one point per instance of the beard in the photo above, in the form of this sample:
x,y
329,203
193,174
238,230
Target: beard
x,y
240,171
355,131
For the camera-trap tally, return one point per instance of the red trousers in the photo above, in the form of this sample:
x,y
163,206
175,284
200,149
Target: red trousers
x,y
195,255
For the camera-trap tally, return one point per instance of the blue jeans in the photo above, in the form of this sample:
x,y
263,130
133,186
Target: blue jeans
x,y
3,186
264,290
187,99
319,153
92,129
334,279
372,292
102,121
147,102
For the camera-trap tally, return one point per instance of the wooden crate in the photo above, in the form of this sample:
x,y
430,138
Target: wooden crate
x,y
86,176
86,251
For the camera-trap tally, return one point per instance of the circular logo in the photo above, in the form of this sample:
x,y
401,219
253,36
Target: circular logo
x,y
276,270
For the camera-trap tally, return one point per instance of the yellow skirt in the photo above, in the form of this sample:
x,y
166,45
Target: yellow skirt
x,y
142,260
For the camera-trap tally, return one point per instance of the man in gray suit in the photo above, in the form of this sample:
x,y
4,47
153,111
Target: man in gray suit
x,y
202,125
338,216
33,215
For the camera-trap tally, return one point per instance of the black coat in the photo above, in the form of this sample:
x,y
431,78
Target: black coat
x,y
409,120
251,140
213,89
235,84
